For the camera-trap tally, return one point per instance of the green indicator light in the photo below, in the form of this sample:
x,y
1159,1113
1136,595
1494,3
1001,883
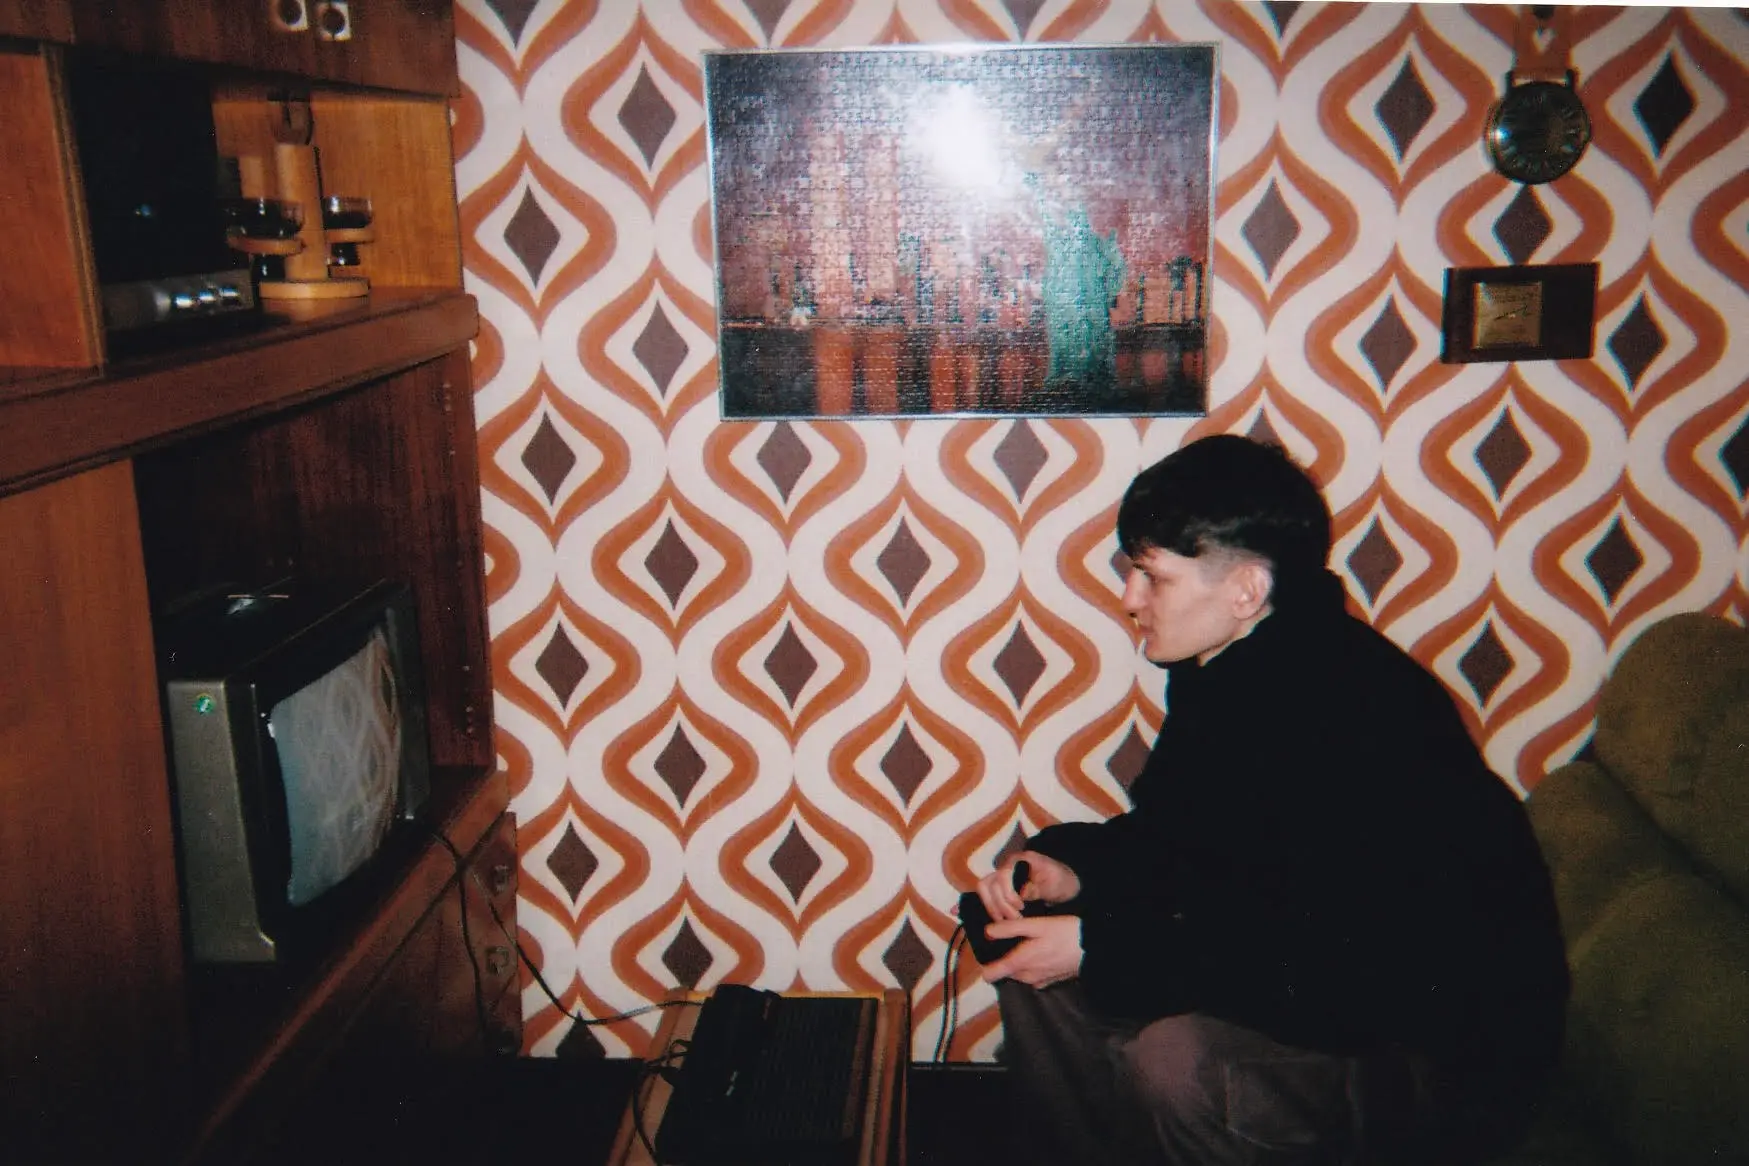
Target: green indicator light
x,y
203,704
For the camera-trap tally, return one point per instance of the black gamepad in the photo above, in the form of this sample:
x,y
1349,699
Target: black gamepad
x,y
974,918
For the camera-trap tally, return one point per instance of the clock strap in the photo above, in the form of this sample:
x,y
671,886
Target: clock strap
x,y
1540,45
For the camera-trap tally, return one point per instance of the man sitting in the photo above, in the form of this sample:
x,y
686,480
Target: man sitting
x,y
1323,933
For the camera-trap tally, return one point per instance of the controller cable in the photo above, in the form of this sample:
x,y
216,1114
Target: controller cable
x,y
952,963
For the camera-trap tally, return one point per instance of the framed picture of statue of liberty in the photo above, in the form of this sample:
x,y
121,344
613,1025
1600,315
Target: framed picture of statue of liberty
x,y
1001,230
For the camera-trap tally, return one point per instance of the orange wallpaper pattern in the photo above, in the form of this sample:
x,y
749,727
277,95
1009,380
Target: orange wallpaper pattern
x,y
768,693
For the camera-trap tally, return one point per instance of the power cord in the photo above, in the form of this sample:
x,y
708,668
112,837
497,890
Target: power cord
x,y
481,1018
527,962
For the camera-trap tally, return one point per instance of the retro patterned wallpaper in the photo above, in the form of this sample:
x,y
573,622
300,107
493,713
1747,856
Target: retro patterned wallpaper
x,y
769,693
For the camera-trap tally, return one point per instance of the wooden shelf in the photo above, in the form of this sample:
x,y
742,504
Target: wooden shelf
x,y
81,418
259,1033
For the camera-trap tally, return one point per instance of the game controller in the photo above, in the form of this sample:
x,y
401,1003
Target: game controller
x,y
974,918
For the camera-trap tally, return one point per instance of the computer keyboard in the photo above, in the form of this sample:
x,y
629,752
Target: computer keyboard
x,y
770,1080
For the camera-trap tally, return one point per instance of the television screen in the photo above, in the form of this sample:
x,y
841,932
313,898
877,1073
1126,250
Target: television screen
x,y
339,747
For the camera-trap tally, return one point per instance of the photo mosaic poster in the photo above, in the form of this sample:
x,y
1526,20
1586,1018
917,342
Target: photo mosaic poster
x,y
986,230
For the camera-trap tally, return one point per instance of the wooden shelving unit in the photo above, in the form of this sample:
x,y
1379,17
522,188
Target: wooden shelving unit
x,y
329,439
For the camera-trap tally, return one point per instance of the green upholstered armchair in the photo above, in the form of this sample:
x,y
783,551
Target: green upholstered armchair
x,y
1648,842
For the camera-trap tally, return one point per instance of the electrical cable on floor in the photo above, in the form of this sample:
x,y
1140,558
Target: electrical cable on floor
x,y
528,962
658,1066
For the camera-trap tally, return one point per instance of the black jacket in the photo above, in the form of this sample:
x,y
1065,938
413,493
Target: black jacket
x,y
1318,851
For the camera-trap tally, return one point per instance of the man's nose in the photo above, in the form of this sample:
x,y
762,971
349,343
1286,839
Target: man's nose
x,y
1133,599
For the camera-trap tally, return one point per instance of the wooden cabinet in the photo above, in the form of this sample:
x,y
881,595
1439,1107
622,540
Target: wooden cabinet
x,y
406,45
90,937
333,439
38,19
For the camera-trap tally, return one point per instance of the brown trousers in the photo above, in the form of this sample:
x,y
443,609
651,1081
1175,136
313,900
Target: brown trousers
x,y
1192,1090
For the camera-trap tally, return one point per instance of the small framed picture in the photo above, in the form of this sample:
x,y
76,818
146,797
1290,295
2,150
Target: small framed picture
x,y
1519,313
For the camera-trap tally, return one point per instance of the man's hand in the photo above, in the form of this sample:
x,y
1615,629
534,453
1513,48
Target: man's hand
x,y
1049,881
1050,949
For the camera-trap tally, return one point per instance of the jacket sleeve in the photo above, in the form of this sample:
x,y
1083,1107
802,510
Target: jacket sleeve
x,y
1097,852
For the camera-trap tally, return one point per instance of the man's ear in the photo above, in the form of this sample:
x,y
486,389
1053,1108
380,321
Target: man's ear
x,y
1252,583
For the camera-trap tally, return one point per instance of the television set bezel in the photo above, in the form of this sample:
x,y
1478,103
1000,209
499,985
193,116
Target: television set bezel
x,y
224,666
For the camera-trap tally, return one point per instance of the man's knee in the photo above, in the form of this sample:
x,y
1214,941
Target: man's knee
x,y
1198,1073
1173,1066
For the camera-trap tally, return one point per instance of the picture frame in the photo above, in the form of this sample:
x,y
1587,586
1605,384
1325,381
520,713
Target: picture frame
x,y
1523,312
1013,230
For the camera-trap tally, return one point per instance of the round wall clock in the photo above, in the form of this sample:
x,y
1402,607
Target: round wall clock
x,y
1536,132
1538,129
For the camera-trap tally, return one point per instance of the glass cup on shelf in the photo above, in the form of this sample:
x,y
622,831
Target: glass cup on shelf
x,y
266,230
346,222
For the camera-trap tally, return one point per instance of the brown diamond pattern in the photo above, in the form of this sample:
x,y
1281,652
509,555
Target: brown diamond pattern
x,y
1374,561
784,457
906,763
1020,455
579,1044
768,13
687,957
561,665
571,862
1614,560
531,236
514,14
1126,761
903,562
1735,456
647,116
1502,454
1636,342
671,563
1486,664
1019,664
680,765
1404,108
1664,104
1023,12
548,458
907,957
1263,431
661,349
790,665
1281,13
1387,345
795,863
1271,229
1523,226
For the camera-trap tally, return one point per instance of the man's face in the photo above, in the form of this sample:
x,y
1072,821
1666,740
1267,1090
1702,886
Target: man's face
x,y
1192,607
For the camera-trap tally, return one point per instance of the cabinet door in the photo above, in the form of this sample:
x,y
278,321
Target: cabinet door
x,y
387,44
93,1035
37,19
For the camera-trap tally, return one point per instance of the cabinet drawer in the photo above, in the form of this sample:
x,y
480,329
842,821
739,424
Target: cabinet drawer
x,y
386,44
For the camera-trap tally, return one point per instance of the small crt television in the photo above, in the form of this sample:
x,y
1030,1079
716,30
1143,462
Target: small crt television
x,y
298,754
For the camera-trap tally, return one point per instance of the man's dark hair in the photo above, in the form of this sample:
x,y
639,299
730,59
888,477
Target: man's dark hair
x,y
1227,492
